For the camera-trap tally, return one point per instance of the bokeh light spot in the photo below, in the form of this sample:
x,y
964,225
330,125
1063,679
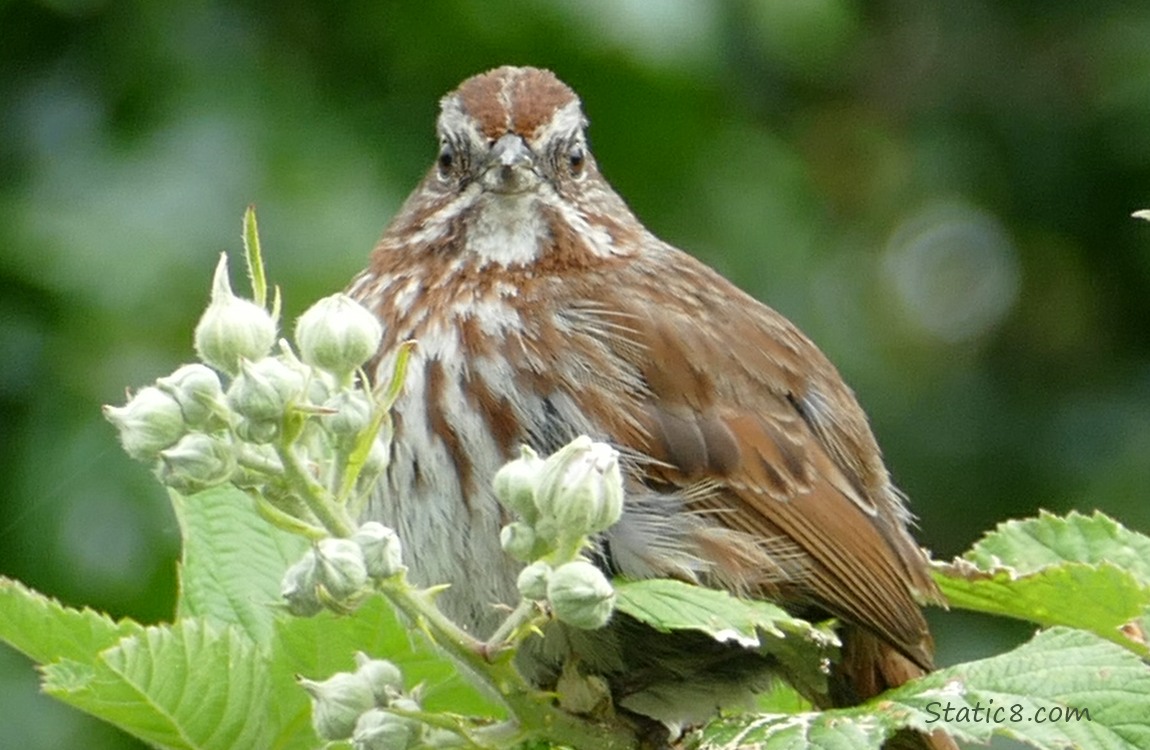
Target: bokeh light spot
x,y
954,270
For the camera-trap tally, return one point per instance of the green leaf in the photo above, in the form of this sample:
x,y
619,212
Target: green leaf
x,y
319,646
800,646
189,685
1065,688
46,631
1103,599
780,697
668,605
1028,545
1083,571
254,258
233,561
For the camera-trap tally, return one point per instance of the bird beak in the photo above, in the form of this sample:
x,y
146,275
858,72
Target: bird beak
x,y
510,166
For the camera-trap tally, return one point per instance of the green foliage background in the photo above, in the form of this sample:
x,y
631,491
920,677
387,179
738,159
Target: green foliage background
x,y
938,193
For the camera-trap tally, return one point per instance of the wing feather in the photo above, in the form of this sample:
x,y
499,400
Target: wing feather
x,y
752,410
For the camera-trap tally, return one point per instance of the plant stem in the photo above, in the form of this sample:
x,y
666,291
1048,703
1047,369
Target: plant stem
x,y
523,613
338,471
285,521
318,500
533,710
263,464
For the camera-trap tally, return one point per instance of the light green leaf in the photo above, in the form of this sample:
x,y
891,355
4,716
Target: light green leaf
x,y
233,561
1083,571
801,647
319,646
1103,599
46,631
668,605
1030,544
1065,688
189,685
254,257
780,697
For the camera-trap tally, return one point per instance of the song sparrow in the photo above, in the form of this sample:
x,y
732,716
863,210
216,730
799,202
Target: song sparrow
x,y
543,309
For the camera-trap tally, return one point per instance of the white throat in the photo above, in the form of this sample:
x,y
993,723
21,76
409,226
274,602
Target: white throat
x,y
508,230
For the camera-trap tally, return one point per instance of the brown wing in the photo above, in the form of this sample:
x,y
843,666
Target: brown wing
x,y
737,402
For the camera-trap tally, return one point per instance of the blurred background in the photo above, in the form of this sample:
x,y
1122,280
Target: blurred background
x,y
938,193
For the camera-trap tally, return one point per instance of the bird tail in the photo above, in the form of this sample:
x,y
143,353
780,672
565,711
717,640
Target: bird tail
x,y
869,666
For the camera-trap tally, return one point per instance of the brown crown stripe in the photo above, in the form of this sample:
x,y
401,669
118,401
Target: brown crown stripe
x,y
517,100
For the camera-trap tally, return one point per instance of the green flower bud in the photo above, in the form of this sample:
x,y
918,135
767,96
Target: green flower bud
x,y
382,551
337,703
547,533
197,390
196,463
232,328
380,730
517,481
581,595
298,587
611,499
321,387
518,540
378,458
263,390
353,411
377,461
148,423
337,334
581,487
258,432
340,568
532,581
384,677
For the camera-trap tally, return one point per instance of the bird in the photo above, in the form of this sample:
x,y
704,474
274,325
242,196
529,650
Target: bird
x,y
543,309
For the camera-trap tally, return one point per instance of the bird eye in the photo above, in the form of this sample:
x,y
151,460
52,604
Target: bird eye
x,y
576,159
446,160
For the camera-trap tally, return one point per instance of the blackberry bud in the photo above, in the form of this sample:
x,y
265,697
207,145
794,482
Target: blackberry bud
x,y
532,581
264,389
380,730
381,549
353,410
581,487
298,587
378,458
258,432
581,595
196,463
232,328
384,677
150,421
337,334
518,540
516,483
337,703
340,568
197,390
